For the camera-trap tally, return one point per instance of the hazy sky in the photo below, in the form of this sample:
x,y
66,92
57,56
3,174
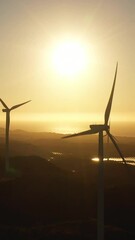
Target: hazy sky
x,y
30,30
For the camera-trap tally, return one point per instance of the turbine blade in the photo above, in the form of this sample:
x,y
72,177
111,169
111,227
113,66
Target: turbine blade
x,y
88,132
4,104
116,146
109,105
19,105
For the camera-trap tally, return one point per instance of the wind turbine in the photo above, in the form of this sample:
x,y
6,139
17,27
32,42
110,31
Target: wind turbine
x,y
7,111
94,129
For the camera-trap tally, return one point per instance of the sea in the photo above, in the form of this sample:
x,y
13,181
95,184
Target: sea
x,y
129,160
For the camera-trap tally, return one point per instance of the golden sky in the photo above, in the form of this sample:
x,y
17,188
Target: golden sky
x,y
30,32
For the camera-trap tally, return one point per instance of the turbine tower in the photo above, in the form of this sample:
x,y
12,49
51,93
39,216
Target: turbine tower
x,y
94,129
7,111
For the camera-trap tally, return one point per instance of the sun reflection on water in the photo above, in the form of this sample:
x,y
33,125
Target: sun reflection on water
x,y
129,160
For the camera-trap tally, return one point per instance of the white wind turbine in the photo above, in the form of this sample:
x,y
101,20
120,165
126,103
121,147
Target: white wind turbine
x,y
7,111
100,129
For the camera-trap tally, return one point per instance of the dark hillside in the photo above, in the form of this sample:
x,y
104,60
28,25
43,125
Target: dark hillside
x,y
58,204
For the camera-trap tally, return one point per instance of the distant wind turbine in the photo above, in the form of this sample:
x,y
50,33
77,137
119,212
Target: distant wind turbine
x,y
100,129
7,111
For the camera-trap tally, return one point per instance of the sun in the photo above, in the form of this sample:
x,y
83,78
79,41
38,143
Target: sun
x,y
70,58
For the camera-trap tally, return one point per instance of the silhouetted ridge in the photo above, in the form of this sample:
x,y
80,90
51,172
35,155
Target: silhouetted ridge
x,y
34,165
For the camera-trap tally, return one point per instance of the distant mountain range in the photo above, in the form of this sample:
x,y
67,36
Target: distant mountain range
x,y
21,134
57,150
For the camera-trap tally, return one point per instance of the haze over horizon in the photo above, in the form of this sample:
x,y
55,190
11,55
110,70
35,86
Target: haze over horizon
x,y
35,38
126,129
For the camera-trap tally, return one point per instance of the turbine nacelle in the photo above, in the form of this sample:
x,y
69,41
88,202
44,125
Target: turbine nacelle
x,y
5,110
99,127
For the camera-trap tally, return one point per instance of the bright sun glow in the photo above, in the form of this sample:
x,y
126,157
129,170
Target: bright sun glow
x,y
70,58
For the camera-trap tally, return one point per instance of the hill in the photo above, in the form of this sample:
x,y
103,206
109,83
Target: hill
x,y
55,204
53,148
53,194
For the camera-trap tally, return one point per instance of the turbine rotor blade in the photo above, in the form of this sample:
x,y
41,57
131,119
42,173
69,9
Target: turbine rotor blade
x,y
88,132
109,105
19,105
4,104
116,146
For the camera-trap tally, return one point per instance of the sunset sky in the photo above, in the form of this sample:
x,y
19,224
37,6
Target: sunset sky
x,y
33,36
